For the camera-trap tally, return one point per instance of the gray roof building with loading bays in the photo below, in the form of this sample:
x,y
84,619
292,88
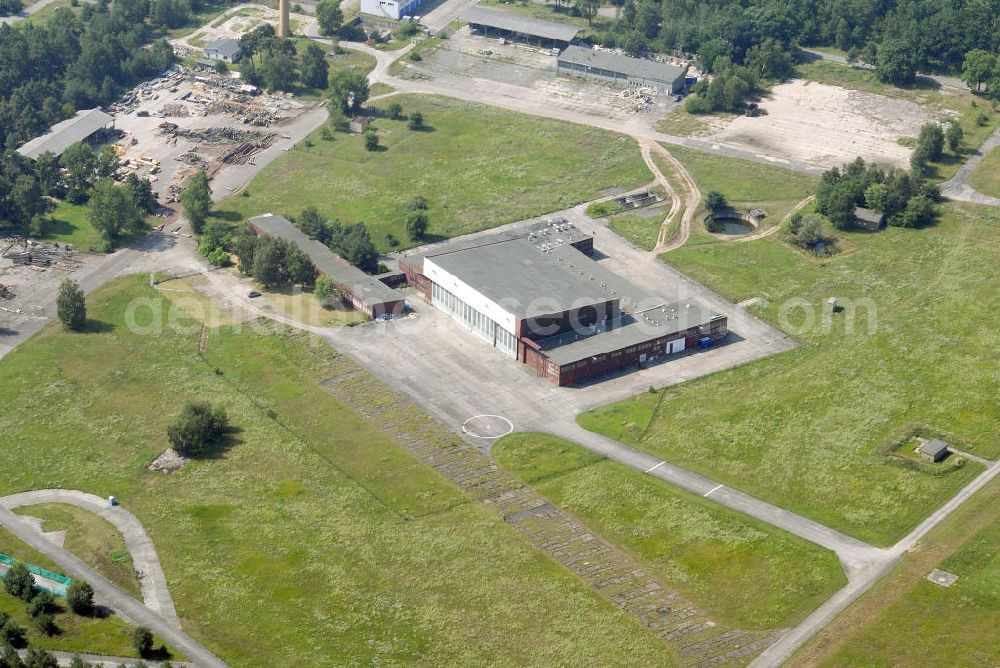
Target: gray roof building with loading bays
x,y
610,66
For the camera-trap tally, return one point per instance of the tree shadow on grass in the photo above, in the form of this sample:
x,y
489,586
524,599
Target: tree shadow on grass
x,y
160,653
96,327
228,440
230,216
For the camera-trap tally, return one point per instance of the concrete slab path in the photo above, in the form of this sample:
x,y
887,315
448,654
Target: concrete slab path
x,y
147,564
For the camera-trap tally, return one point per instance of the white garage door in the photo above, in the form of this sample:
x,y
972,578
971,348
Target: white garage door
x,y
675,346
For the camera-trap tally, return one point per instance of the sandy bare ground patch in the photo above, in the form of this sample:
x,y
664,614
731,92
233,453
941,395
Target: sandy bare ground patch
x,y
828,125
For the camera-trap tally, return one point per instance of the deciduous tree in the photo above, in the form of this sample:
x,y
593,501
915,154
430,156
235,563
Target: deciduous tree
x,y
197,200
71,305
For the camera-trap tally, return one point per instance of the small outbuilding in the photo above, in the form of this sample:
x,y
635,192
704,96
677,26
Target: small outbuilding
x,y
359,124
227,50
935,448
868,219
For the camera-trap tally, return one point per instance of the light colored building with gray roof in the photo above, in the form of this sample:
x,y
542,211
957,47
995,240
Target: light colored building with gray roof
x,y
610,66
224,49
80,127
519,28
553,308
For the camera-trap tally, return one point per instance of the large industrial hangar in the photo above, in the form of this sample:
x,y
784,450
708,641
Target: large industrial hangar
x,y
81,127
368,294
610,66
538,298
517,28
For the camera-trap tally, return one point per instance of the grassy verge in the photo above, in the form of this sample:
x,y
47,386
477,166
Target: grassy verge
x,y
802,429
640,230
986,176
907,620
742,572
48,12
479,167
108,635
92,539
422,48
309,514
72,227
960,105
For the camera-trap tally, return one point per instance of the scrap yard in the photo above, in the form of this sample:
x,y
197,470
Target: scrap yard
x,y
188,120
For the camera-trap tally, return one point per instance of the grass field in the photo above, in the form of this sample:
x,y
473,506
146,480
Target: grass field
x,y
310,525
77,634
742,572
908,621
72,227
91,538
478,167
803,429
641,231
948,102
746,184
986,176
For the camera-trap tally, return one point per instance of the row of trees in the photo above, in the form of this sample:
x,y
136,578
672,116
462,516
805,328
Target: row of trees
x,y
272,261
40,605
931,142
275,63
904,199
27,191
907,35
47,72
353,242
981,71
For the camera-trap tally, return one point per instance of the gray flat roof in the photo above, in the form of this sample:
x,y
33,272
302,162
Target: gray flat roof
x,y
64,134
227,47
326,261
518,23
522,279
626,65
869,215
546,232
934,446
627,331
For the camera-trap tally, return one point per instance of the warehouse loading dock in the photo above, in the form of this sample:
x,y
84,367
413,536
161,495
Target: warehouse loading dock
x,y
664,78
517,28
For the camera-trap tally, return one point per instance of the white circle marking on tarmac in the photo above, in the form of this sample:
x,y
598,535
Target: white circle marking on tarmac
x,y
488,427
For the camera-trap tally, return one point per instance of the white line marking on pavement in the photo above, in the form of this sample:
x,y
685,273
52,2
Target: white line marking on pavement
x,y
650,470
712,490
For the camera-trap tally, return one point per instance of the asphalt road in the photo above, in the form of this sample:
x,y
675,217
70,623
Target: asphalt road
x,y
940,79
957,187
782,650
118,599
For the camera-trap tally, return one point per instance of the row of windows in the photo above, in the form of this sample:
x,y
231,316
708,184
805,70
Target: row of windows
x,y
480,324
